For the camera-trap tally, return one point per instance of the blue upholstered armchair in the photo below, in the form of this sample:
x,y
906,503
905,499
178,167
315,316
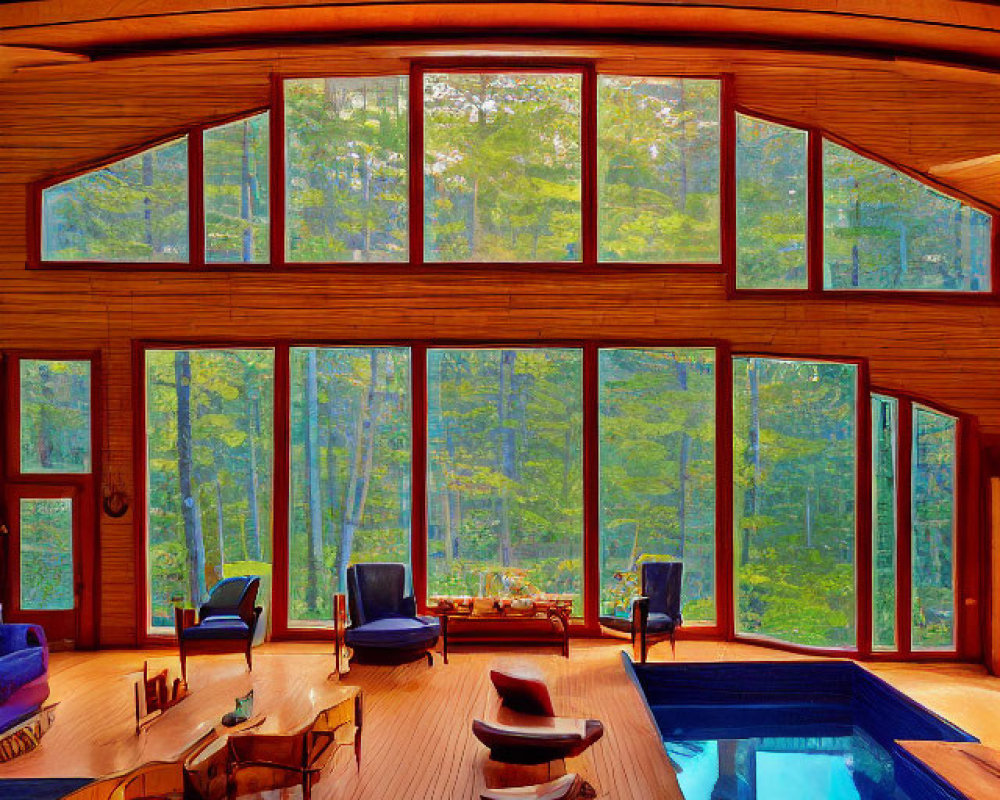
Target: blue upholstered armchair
x,y
384,621
226,623
656,613
24,672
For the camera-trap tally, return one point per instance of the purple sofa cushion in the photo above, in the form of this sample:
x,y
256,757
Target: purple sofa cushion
x,y
20,668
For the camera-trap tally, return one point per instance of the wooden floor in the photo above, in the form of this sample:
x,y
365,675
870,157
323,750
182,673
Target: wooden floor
x,y
417,733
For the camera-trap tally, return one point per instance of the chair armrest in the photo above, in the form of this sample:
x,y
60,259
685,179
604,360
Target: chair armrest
x,y
408,606
20,636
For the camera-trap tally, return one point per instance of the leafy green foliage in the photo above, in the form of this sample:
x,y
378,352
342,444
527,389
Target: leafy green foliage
x,y
933,526
505,470
133,210
230,418
771,205
346,169
884,412
794,468
46,554
885,230
350,468
236,191
502,167
55,416
657,434
658,169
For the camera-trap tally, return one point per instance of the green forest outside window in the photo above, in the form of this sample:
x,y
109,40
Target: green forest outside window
x,y
505,471
794,470
349,469
209,463
933,529
657,472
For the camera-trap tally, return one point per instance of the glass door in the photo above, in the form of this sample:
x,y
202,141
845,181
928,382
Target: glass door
x,y
43,581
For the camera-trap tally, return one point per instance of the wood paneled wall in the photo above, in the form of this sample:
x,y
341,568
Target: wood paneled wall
x,y
54,119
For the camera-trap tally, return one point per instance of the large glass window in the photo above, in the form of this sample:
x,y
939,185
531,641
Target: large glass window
x,y
350,469
346,169
657,477
771,205
505,471
658,169
133,210
502,167
885,230
55,416
236,184
933,529
885,432
209,448
46,553
794,468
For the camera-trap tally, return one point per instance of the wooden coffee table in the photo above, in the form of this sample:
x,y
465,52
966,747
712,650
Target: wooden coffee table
x,y
546,625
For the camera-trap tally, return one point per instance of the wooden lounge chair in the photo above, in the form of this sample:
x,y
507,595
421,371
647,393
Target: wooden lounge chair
x,y
526,730
565,788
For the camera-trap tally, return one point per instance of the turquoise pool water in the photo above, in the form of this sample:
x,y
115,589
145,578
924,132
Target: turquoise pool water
x,y
766,764
815,730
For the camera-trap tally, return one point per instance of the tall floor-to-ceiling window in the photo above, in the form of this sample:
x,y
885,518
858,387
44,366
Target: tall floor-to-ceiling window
x,y
794,507
505,471
657,472
349,471
209,452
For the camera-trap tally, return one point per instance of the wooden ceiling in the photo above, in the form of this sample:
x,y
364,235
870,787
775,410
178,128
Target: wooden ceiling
x,y
917,83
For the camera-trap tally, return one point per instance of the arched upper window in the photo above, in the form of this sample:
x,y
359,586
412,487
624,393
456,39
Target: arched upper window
x,y
482,164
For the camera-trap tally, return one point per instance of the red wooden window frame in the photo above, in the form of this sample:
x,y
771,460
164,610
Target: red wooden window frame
x,y
83,485
968,576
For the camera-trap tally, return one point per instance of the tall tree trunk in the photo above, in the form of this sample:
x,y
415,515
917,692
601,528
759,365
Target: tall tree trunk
x,y
507,446
855,252
330,491
683,457
682,150
46,411
147,201
252,481
219,525
315,551
751,500
246,198
361,468
195,545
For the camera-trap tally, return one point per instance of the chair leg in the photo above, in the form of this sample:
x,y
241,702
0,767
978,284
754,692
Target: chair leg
x,y
673,646
306,787
249,655
430,658
184,676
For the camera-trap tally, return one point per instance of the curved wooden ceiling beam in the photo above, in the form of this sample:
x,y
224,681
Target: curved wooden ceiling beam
x,y
947,31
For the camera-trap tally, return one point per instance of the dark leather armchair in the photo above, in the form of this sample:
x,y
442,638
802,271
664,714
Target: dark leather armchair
x,y
384,622
226,623
656,613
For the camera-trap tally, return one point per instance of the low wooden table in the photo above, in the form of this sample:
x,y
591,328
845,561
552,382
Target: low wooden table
x,y
546,624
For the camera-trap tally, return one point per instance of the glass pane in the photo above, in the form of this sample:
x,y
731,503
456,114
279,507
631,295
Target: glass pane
x,y
350,469
209,449
346,169
933,514
46,545
505,472
236,192
885,230
771,205
885,432
134,210
55,416
502,167
657,439
794,468
658,169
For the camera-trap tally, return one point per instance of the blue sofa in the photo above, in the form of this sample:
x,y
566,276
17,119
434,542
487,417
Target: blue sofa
x,y
24,672
384,622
